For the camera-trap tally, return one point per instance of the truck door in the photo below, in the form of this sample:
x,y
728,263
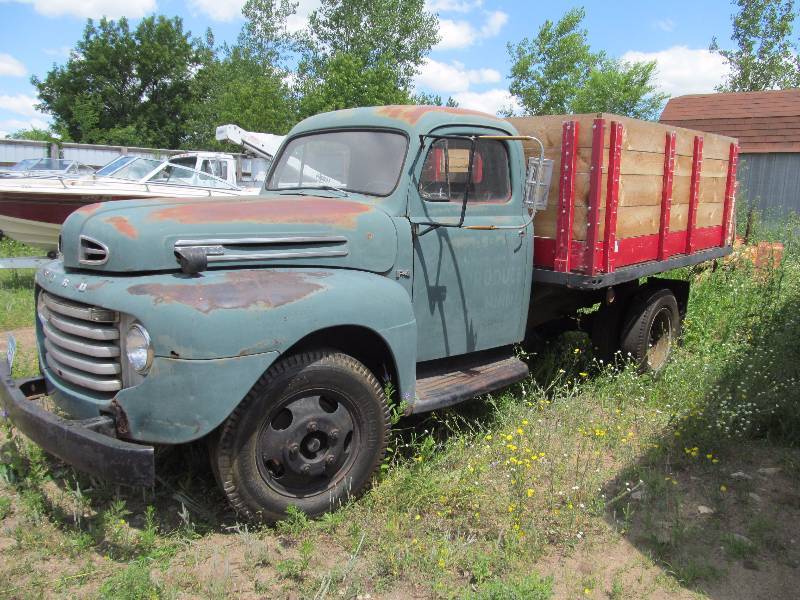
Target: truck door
x,y
471,287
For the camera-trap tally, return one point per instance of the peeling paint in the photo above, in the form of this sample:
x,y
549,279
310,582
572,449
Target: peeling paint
x,y
239,290
123,226
89,209
313,210
412,114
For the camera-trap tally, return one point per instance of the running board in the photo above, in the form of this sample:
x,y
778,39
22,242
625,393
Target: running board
x,y
455,380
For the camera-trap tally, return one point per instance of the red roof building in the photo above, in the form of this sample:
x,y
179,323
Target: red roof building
x,y
762,121
767,125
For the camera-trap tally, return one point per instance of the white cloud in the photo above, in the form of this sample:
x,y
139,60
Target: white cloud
x,y
683,70
20,105
462,34
8,126
218,10
299,20
667,25
494,23
490,101
452,77
92,8
460,6
11,67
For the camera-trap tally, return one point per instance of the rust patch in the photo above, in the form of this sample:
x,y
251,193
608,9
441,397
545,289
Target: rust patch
x,y
239,290
325,211
89,209
123,226
411,114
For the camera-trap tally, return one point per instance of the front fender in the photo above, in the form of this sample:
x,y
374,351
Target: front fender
x,y
234,321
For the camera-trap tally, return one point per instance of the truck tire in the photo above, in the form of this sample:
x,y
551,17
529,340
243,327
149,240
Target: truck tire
x,y
651,329
310,434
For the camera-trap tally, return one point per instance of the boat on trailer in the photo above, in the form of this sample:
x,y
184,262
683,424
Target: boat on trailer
x,y
32,209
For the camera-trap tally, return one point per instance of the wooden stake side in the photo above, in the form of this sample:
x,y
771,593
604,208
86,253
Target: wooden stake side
x,y
612,195
566,196
595,191
666,193
730,192
694,192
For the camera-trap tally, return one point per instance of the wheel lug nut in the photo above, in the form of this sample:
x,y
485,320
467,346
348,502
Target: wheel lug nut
x,y
334,435
293,450
306,470
312,426
330,459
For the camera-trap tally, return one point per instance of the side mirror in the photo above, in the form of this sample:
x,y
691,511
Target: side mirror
x,y
537,183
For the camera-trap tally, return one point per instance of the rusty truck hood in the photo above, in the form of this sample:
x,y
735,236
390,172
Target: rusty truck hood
x,y
142,235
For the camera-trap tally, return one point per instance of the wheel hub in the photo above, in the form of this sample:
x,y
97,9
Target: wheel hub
x,y
306,443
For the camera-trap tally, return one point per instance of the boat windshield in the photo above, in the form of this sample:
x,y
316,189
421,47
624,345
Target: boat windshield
x,y
367,162
132,168
23,165
172,174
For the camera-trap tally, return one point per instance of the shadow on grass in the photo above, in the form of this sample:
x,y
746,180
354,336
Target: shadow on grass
x,y
716,502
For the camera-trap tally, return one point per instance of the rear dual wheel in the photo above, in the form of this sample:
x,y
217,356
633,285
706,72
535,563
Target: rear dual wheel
x,y
651,329
310,434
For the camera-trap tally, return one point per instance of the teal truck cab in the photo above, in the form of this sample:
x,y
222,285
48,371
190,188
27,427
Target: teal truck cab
x,y
389,259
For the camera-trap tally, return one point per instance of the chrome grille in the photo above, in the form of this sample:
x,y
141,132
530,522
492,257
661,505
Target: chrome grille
x,y
81,343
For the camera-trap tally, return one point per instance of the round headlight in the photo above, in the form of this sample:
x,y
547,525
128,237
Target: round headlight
x,y
138,349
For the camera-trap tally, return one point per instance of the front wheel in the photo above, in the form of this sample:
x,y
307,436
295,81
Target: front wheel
x,y
310,434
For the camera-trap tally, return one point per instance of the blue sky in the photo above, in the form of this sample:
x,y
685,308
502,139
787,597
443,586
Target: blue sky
x,y
470,63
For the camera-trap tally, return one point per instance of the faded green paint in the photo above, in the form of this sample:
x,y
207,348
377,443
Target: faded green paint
x,y
445,293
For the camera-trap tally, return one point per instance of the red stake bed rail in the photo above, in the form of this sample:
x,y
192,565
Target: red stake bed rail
x,y
612,195
730,191
566,196
666,194
694,193
595,191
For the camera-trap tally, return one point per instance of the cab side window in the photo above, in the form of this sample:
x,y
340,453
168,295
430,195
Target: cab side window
x,y
444,172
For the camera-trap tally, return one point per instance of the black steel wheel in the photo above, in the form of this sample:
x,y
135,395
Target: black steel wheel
x,y
310,434
651,329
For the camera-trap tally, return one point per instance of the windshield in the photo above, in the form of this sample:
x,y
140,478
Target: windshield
x,y
24,165
132,168
177,175
368,162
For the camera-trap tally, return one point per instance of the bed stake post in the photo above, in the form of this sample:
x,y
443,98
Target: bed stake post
x,y
694,192
566,196
666,194
612,195
595,191
730,192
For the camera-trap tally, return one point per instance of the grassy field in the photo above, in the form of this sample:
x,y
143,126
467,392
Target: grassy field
x,y
585,481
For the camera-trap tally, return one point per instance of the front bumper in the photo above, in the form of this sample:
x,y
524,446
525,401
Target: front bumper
x,y
80,443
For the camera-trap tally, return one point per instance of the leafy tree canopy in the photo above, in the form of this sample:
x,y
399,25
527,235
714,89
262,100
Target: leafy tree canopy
x,y
34,133
363,52
765,57
556,72
126,87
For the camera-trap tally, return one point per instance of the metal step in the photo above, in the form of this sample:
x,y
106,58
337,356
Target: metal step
x,y
448,382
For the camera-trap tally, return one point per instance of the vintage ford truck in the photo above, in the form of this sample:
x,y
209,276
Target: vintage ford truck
x,y
396,255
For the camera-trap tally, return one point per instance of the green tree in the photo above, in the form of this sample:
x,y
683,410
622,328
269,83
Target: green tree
x,y
126,87
34,133
557,72
765,57
547,70
239,88
363,52
426,99
620,88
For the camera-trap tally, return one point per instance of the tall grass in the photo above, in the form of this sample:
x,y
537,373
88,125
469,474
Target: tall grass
x,y
471,497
